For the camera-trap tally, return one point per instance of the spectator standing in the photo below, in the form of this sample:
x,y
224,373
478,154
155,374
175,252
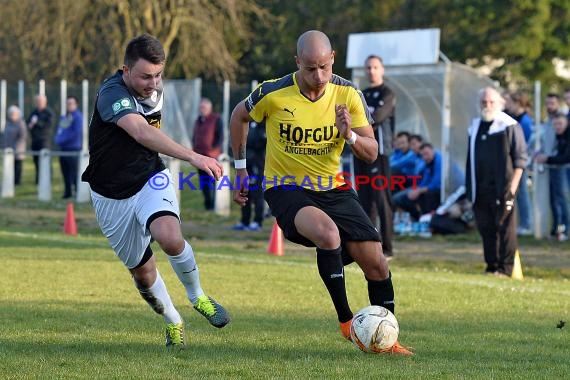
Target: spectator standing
x,y
207,140
40,122
517,105
561,156
256,142
496,158
381,103
567,101
69,138
556,174
15,136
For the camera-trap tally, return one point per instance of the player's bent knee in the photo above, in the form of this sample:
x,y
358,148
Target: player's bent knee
x,y
327,237
171,245
144,276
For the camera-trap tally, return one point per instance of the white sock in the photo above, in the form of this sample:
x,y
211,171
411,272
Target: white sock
x,y
184,264
159,300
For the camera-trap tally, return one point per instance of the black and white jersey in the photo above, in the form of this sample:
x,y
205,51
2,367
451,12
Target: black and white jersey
x,y
119,166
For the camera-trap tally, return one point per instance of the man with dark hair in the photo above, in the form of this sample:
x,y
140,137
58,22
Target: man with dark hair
x,y
309,116
556,174
416,142
132,191
517,105
69,138
559,157
256,142
403,160
381,102
424,196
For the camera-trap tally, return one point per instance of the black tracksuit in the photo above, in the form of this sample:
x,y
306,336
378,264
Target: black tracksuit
x,y
373,201
495,150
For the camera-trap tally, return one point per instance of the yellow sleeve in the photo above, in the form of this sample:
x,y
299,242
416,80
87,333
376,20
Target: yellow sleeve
x,y
256,103
358,109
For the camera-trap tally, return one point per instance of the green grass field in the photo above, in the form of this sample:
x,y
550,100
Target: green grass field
x,y
69,309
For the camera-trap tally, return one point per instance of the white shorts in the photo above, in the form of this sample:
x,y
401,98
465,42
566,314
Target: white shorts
x,y
123,221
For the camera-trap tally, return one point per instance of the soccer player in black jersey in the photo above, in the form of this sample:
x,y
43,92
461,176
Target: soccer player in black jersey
x,y
132,191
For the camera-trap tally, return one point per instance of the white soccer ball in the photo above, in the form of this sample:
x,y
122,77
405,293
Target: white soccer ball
x,y
374,328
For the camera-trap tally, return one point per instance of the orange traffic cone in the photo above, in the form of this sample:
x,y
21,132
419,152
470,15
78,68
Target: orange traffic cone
x,y
69,226
275,246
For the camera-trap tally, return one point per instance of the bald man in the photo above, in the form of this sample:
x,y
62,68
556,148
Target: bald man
x,y
40,123
496,158
309,115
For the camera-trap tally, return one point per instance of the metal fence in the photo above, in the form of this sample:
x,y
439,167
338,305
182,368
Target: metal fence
x,y
181,110
182,98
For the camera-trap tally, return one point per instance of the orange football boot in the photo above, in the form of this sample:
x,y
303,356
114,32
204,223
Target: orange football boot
x,y
345,329
396,349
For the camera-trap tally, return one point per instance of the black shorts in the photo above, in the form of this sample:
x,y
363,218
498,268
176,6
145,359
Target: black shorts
x,y
342,206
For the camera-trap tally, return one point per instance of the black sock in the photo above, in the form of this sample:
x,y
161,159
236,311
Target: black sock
x,y
331,270
346,258
381,293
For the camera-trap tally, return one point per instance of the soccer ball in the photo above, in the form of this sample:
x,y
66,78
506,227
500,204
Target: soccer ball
x,y
374,328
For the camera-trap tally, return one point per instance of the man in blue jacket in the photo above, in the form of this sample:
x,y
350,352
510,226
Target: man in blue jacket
x,y
403,160
424,196
69,138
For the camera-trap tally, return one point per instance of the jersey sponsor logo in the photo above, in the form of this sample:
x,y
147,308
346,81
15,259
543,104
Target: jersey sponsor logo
x,y
302,135
308,141
307,151
121,105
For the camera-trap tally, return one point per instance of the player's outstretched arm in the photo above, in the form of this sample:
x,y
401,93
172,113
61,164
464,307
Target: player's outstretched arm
x,y
239,126
154,139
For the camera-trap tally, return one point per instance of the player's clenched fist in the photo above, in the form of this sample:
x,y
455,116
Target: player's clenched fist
x,y
342,120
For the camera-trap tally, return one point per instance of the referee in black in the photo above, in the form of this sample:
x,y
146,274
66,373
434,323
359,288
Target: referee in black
x,y
496,158
381,101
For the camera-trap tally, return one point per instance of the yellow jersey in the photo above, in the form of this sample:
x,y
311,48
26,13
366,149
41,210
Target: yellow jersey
x,y
303,144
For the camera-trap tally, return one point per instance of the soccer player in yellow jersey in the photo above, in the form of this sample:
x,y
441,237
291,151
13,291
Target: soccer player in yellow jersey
x,y
309,115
